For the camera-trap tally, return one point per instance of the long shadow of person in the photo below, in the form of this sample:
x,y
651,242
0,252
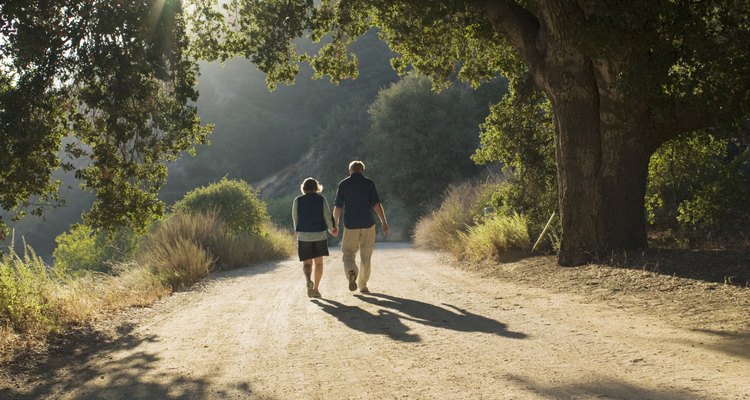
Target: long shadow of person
x,y
455,318
384,323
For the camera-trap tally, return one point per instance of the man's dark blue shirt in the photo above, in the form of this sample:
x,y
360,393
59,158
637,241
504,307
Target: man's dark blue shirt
x,y
357,195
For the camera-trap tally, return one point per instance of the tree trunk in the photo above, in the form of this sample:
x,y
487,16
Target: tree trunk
x,y
602,154
602,181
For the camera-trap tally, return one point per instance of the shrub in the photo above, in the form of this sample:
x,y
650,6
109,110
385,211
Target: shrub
x,y
699,188
84,249
234,203
502,238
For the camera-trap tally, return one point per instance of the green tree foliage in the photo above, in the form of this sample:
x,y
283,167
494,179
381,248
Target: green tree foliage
x,y
622,77
420,141
234,202
113,75
341,140
82,248
518,133
700,185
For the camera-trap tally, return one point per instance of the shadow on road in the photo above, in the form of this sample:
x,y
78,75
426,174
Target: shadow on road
x,y
453,318
735,344
599,387
721,266
85,359
382,323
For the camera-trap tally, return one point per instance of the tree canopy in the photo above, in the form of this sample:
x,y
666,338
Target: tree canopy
x,y
621,77
113,76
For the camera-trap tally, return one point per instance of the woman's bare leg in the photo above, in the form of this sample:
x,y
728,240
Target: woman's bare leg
x,y
318,272
307,268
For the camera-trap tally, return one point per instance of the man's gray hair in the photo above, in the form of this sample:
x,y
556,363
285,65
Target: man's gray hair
x,y
357,166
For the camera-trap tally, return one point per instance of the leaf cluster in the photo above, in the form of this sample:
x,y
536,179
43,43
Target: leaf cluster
x,y
113,75
442,40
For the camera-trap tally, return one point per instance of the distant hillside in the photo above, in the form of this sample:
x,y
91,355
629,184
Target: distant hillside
x,y
287,181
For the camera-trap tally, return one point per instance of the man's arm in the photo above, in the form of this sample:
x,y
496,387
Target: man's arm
x,y
378,207
327,215
336,220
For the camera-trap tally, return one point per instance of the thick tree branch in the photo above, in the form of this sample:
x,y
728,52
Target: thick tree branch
x,y
517,25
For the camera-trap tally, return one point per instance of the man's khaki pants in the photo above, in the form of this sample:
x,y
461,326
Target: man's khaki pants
x,y
364,241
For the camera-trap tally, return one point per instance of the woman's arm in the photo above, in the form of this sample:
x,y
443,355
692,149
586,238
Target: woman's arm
x,y
294,214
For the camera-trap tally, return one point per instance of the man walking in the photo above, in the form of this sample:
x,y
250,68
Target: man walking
x,y
357,196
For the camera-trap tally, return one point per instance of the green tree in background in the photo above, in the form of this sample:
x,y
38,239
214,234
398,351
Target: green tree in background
x,y
420,141
622,77
341,140
258,133
112,75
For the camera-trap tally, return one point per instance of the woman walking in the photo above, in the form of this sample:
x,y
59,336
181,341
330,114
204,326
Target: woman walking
x,y
311,217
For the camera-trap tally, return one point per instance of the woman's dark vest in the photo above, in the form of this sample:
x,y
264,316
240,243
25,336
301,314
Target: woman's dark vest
x,y
310,213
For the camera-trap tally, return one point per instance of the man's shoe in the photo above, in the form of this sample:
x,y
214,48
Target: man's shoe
x,y
310,291
352,281
364,290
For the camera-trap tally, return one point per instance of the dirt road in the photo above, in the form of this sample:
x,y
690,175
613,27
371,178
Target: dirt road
x,y
428,331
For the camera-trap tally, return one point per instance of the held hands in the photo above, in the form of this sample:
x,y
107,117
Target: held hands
x,y
335,232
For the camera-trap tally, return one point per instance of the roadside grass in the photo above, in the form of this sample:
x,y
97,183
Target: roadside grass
x,y
500,238
36,299
441,229
184,248
462,228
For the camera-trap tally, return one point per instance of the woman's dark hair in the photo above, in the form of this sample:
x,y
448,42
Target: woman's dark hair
x,y
310,185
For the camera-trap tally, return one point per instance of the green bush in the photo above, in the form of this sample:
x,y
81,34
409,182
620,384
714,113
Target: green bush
x,y
501,238
84,249
234,203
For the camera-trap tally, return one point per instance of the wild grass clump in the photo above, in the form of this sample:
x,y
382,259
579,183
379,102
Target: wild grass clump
x,y
25,282
237,250
184,248
177,251
501,238
441,229
36,299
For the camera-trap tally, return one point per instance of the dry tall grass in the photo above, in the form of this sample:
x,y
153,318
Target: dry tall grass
x,y
440,230
186,246
500,237
36,299
459,227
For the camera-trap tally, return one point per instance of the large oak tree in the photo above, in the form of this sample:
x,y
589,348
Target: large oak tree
x,y
622,77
